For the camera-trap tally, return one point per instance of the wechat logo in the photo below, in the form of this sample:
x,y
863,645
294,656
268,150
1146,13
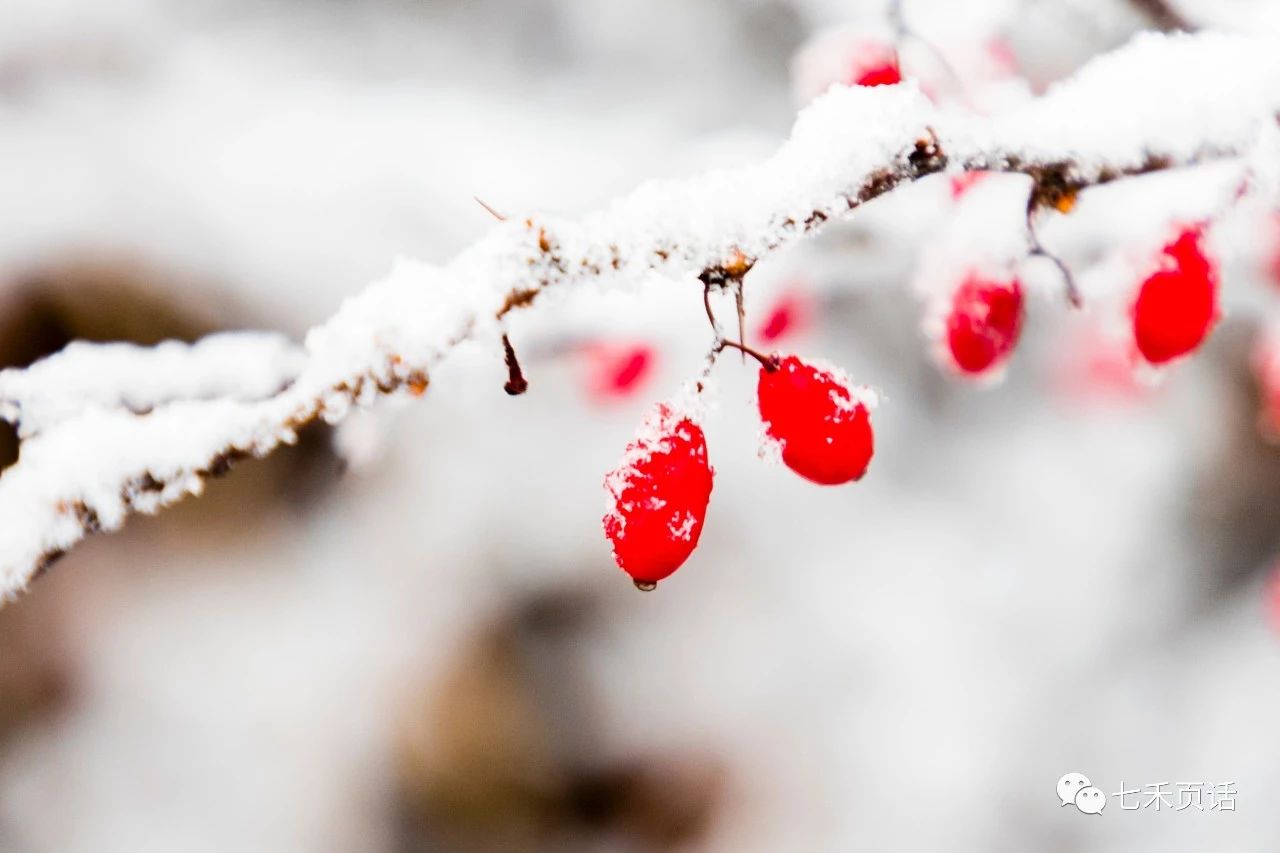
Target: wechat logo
x,y
1074,790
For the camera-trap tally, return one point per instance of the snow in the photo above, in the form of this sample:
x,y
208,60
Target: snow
x,y
234,365
1182,97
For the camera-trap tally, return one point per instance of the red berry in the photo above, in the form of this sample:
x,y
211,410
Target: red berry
x,y
984,323
1177,304
882,74
658,497
619,371
786,317
819,423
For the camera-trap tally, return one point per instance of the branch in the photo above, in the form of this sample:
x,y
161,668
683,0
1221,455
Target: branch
x,y
1163,15
1157,104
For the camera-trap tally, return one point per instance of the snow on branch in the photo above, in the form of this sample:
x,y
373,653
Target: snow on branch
x,y
238,365
110,431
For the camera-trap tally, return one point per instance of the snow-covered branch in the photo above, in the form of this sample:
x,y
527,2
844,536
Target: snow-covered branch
x,y
157,423
238,366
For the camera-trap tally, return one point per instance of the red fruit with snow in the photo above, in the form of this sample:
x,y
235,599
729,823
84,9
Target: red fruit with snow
x,y
658,497
1177,304
618,371
983,323
820,424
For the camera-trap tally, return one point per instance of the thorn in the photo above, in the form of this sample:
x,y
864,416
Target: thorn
x,y
495,214
516,383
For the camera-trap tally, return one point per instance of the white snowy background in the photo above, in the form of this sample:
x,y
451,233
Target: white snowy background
x,y
422,643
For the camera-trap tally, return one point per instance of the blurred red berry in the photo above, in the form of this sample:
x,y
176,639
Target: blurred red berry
x,y
822,429
618,371
658,497
883,74
1272,238
961,183
983,324
788,315
1177,304
1271,597
1266,370
1003,56
873,63
1091,366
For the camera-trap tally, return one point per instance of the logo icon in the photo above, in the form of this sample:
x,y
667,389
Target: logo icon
x,y
1075,789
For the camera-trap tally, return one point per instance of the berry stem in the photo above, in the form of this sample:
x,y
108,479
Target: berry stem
x,y
711,317
1038,250
768,362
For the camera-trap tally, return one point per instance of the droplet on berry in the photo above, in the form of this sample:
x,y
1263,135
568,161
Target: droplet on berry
x,y
983,323
1177,304
618,371
658,497
820,424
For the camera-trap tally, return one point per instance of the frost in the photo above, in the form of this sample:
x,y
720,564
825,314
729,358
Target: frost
x,y
863,395
684,530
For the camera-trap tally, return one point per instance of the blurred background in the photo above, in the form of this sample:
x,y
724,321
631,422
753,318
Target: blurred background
x,y
407,634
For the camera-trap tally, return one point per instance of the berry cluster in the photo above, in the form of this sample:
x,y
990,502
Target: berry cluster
x,y
1174,308
658,495
820,424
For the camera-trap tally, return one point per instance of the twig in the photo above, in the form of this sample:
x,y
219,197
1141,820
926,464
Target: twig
x,y
1163,16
